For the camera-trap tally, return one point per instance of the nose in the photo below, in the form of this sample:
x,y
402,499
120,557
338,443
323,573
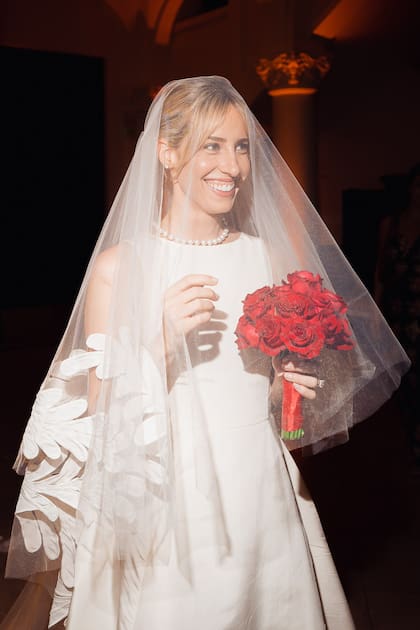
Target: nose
x,y
229,162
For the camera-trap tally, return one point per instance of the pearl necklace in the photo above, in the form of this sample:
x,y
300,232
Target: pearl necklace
x,y
182,241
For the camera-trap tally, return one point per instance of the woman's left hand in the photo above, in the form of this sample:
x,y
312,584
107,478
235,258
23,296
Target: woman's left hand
x,y
303,382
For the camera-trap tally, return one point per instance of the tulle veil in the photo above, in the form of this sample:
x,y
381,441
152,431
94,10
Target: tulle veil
x,y
109,468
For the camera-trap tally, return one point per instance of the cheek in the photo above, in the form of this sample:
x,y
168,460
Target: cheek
x,y
193,173
204,166
245,167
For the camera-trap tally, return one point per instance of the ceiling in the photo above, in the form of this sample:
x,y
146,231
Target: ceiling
x,y
393,21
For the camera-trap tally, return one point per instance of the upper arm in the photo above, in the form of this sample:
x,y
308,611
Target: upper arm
x,y
97,308
98,298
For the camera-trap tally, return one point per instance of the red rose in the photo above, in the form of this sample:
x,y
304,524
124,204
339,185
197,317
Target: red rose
x,y
280,291
269,329
246,333
337,333
304,282
344,344
301,317
326,300
304,336
257,303
254,298
290,304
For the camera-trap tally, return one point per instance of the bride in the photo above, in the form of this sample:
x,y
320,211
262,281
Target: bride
x,y
157,491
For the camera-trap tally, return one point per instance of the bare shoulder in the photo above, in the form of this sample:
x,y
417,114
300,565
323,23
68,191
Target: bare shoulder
x,y
99,290
105,265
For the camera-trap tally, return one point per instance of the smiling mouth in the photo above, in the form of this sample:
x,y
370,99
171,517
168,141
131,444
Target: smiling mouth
x,y
224,187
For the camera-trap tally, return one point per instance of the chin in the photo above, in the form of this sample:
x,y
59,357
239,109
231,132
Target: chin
x,y
224,208
221,211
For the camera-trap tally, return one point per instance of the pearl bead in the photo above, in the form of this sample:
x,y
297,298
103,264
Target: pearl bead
x,y
215,241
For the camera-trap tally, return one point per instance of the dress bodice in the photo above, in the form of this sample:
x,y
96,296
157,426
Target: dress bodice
x,y
233,386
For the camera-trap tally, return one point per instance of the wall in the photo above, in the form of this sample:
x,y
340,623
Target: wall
x,y
92,29
369,123
367,106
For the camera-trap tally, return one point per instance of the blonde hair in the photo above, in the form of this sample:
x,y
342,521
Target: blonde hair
x,y
193,109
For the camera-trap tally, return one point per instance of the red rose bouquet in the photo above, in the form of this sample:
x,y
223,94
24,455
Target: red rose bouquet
x,y
299,317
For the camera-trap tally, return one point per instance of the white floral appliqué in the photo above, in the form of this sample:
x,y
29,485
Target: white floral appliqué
x,y
55,424
56,441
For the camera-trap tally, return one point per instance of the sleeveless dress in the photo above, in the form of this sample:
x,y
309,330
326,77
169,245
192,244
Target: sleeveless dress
x,y
277,573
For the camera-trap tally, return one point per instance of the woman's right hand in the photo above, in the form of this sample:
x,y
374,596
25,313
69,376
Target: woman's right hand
x,y
187,304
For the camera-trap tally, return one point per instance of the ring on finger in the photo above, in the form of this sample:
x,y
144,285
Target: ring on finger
x,y
320,383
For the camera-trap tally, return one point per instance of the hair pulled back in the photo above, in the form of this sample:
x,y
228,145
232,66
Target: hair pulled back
x,y
193,109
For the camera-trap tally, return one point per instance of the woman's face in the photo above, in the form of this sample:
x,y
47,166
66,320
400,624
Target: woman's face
x,y
211,179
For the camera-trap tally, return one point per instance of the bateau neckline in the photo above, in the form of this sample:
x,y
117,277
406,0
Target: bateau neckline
x,y
204,247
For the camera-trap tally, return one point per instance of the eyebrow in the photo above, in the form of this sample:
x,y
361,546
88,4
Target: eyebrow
x,y
217,139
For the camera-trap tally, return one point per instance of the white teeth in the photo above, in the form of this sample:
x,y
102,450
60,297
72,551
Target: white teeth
x,y
222,187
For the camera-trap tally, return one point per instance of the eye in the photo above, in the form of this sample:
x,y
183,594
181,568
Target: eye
x,y
242,146
212,147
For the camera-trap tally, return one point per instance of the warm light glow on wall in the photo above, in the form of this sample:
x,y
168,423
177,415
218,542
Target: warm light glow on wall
x,y
126,10
160,15
291,91
167,20
351,19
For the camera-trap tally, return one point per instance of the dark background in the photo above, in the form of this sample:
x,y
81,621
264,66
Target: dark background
x,y
52,148
75,84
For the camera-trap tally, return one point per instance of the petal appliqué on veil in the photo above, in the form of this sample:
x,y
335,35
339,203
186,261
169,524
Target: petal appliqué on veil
x,y
55,424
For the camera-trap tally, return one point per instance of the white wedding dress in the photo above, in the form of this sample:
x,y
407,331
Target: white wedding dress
x,y
277,573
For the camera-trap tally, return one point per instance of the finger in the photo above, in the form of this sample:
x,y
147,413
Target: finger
x,y
198,292
189,323
175,303
291,367
177,314
192,280
282,367
301,379
197,306
306,392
